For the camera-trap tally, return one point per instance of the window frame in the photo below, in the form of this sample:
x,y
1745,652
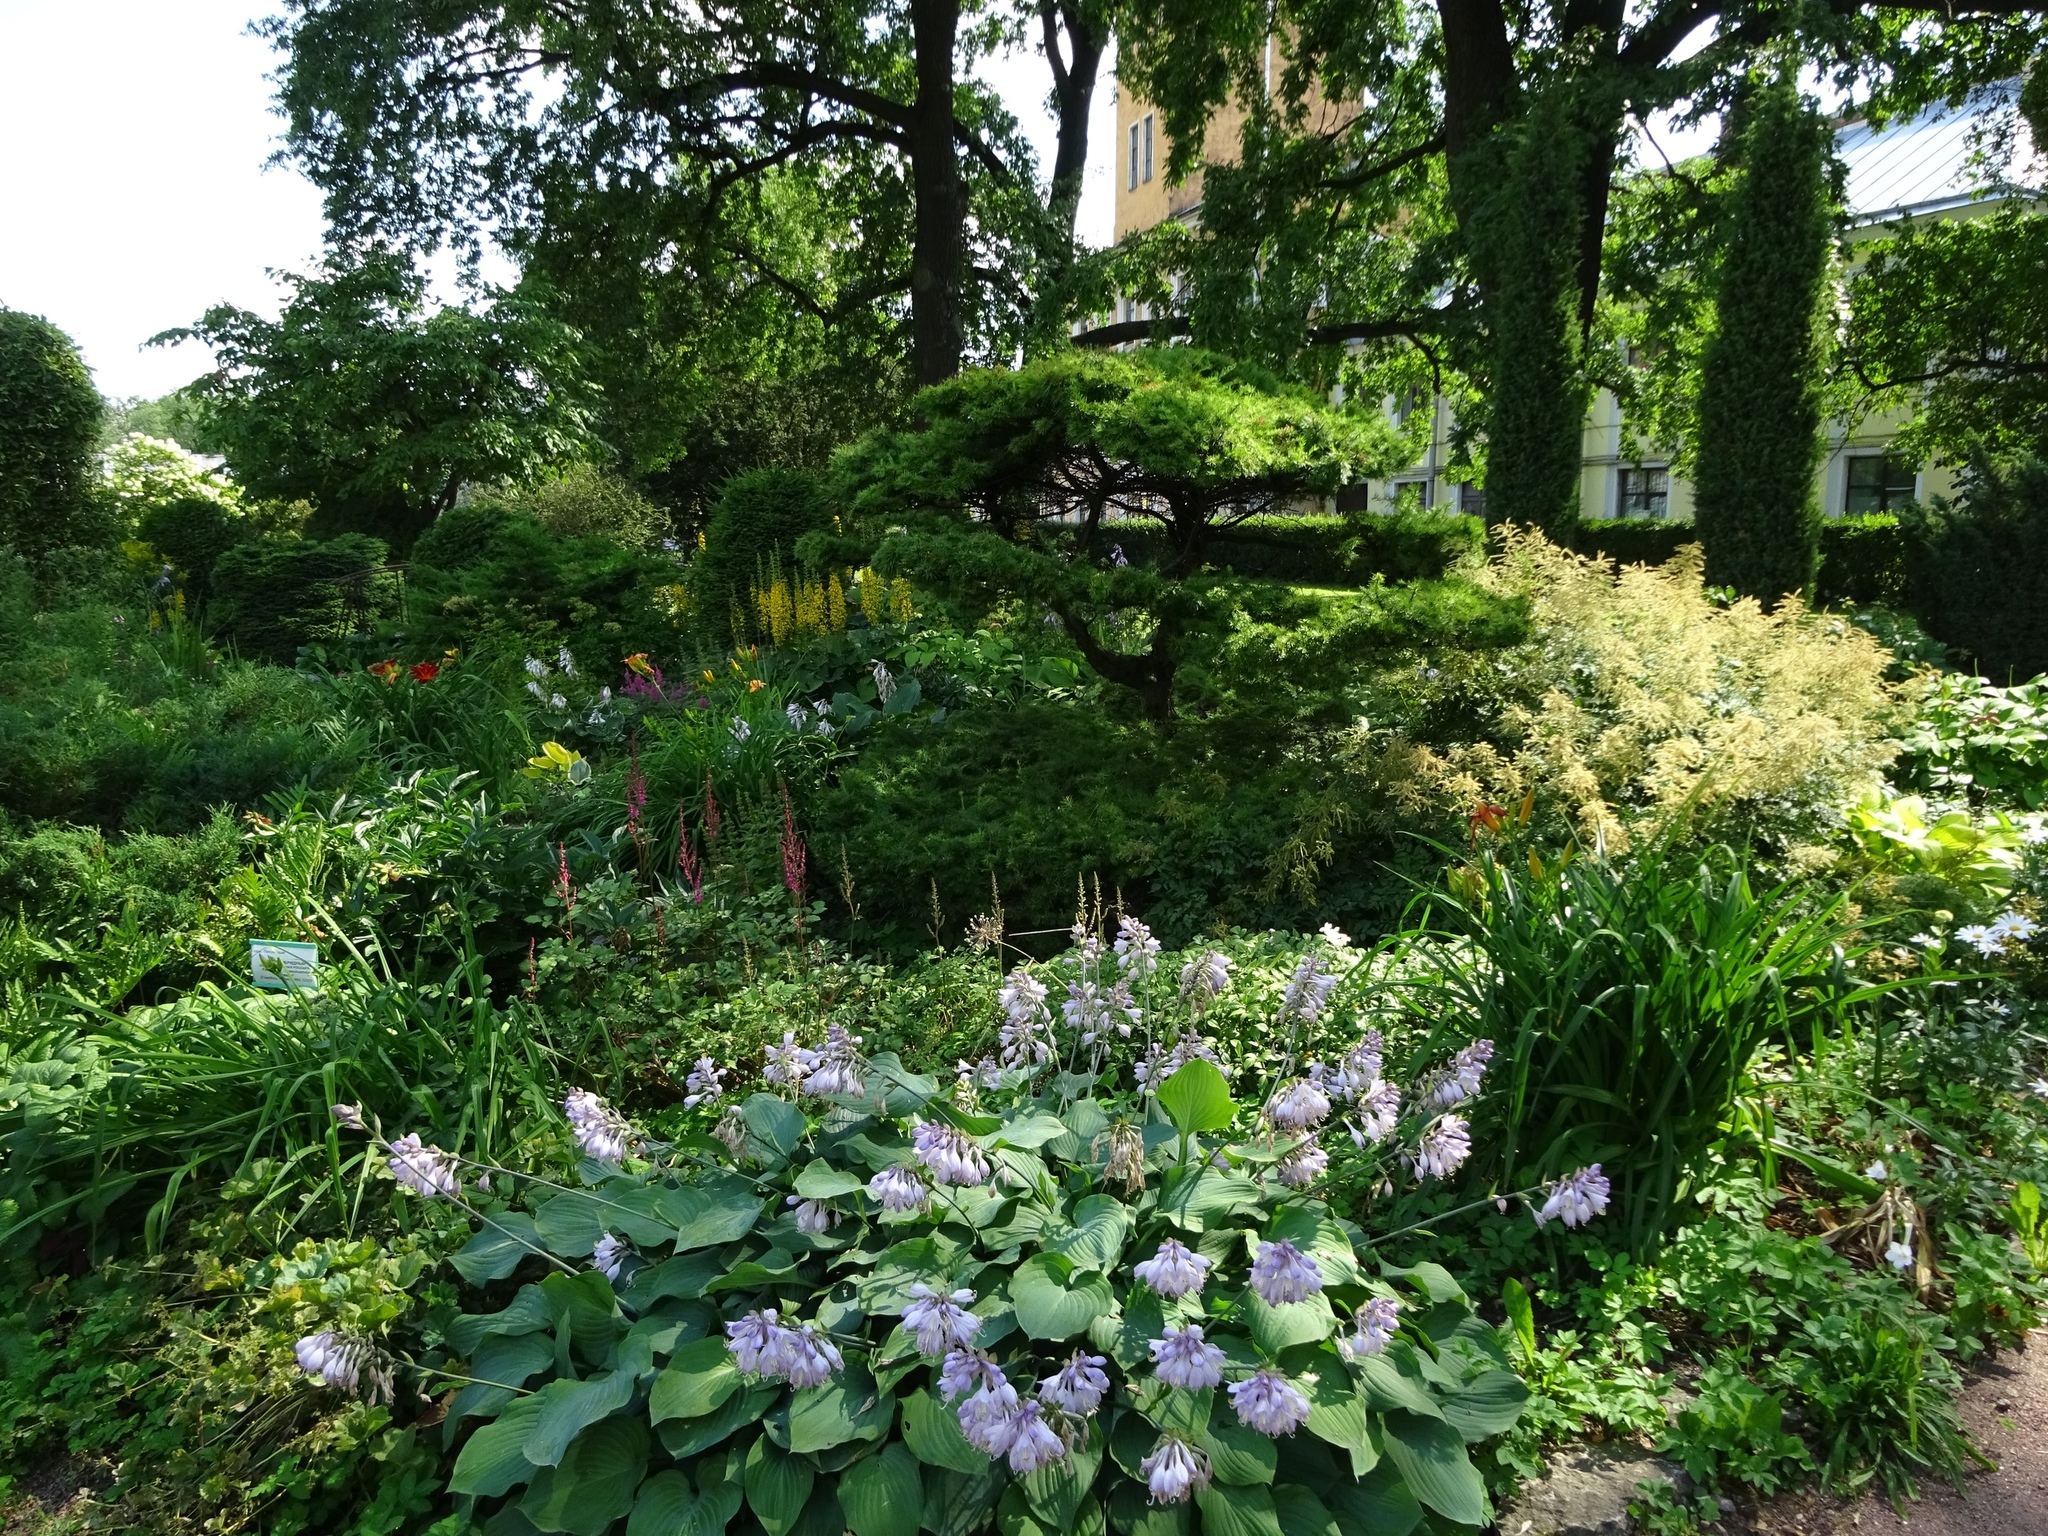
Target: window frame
x,y
1654,498
1148,147
1891,469
1133,183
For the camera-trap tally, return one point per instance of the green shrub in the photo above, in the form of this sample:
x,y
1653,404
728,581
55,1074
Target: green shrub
x,y
463,535
1320,550
276,595
1980,568
49,428
757,519
1969,738
1633,540
1862,561
192,533
586,501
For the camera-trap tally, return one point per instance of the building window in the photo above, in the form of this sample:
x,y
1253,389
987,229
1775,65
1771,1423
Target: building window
x,y
1148,146
1134,159
1472,499
1408,495
1877,482
1644,492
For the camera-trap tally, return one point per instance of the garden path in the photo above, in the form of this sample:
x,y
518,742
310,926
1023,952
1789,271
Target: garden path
x,y
2006,1409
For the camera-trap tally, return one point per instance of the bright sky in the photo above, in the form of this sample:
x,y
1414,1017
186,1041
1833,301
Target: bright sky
x,y
133,136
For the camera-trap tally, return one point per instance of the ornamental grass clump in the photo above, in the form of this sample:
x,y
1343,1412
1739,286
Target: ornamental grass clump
x,y
1043,1296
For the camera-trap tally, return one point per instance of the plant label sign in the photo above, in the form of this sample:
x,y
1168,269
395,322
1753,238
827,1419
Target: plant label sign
x,y
282,965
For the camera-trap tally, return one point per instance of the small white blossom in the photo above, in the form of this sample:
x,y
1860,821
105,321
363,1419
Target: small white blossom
x,y
1335,937
812,1216
1899,1256
609,1257
1982,939
1876,1171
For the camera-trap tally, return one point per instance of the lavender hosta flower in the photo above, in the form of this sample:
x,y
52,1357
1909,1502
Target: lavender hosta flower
x,y
1022,998
1184,1359
1126,1163
1025,1038
1462,1079
1137,952
811,1358
838,1064
1086,1010
1270,1404
610,1254
334,1357
941,1321
1377,1321
900,1190
1282,1273
812,1216
1443,1147
1159,1064
731,1130
347,1116
963,1370
427,1171
1577,1199
1078,1387
1121,1001
987,1417
1033,1442
1175,1270
1302,1167
705,1084
1357,1073
1203,979
1299,1105
950,1154
1309,990
2039,1087
1175,1471
789,1063
756,1343
1379,1114
600,1132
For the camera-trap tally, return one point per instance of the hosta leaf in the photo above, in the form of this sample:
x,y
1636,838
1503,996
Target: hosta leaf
x,y
776,1123
1211,1196
1431,1459
585,1299
1014,1517
848,1407
1387,1386
699,1377
1301,1513
508,1362
1435,1281
778,1486
1290,1323
1337,1414
1054,1305
492,1462
1197,1099
1055,1492
1132,1513
595,1482
745,1276
1380,1503
709,1214
1488,1404
668,1507
1085,1121
932,1431
1127,1337
959,1503
917,1261
684,1438
821,1181
530,1312
497,1249
883,1494
685,1276
1228,1511
568,1407
1239,1454
1032,1130
570,1224
639,1211
1322,1239
1096,1238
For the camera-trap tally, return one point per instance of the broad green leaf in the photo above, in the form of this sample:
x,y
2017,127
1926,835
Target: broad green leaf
x,y
883,1494
1521,1318
638,1210
497,1249
1388,1387
1489,1404
916,1261
1131,1513
1337,1414
778,1486
1379,1502
1290,1323
777,1123
684,1438
569,1407
932,1431
821,1181
1127,1337
1085,1121
1301,1512
1197,1099
1014,1517
1054,1305
1031,1130
1055,1492
1434,1279
1322,1239
1431,1460
710,1214
1195,1204
1239,1454
570,1224
848,1407
530,1312
668,1507
685,1276
1101,1222
1228,1511
595,1482
959,1503
585,1300
492,1462
508,1362
699,1377
772,1266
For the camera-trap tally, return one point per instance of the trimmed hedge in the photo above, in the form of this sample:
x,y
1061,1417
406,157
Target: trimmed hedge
x,y
1345,550
1862,559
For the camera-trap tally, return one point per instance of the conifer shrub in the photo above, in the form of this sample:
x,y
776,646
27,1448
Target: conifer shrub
x,y
1980,569
192,533
754,524
275,595
49,428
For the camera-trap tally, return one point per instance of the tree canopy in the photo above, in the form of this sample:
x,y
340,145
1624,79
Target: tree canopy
x,y
49,426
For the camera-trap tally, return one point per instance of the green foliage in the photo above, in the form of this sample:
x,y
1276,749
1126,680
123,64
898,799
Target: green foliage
x,y
360,401
1349,549
755,523
49,426
585,501
192,533
1632,540
1760,377
1979,568
1862,561
1628,1003
273,596
1735,1429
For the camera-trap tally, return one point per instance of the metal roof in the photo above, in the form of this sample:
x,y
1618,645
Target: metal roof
x,y
1932,163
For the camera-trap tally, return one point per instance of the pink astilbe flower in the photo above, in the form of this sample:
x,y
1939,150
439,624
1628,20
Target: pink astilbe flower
x,y
793,855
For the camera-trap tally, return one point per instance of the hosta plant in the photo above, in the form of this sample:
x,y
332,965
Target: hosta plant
x,y
1026,1302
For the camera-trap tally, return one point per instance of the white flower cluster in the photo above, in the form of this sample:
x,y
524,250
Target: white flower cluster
x,y
1026,1033
1309,990
600,1131
705,1084
809,720
1160,1064
761,1345
542,684
836,1067
610,1255
1137,952
1576,1200
346,1362
1995,938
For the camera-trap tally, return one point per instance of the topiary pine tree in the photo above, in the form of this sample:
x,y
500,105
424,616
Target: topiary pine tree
x,y
49,429
1760,378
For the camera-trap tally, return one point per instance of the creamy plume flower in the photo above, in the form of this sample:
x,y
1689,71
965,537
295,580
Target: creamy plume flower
x,y
1282,1273
705,1084
1377,1322
1079,1386
950,1154
427,1171
1175,1471
900,1190
1443,1147
941,1321
1184,1359
1175,1270
599,1131
1269,1403
1335,937
610,1255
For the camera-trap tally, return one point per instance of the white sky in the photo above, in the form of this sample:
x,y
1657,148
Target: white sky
x,y
133,136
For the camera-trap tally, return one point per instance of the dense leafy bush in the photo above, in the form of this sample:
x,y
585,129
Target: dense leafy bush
x,y
585,500
191,533
755,523
1970,738
1408,545
273,596
1862,561
49,428
1980,568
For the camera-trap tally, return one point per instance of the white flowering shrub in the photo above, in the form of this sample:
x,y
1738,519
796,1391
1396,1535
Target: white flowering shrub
x,y
1052,1297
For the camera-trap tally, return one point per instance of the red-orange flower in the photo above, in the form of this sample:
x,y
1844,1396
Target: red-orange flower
x,y
1491,818
386,672
425,671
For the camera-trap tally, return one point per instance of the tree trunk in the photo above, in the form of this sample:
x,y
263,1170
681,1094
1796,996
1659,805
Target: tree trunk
x,y
1073,89
936,252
